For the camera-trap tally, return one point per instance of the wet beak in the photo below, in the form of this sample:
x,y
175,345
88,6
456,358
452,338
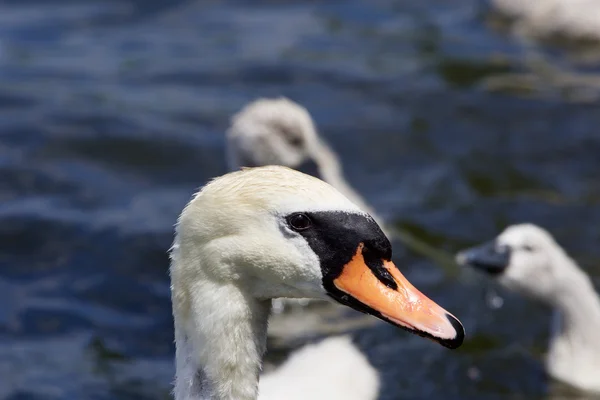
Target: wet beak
x,y
395,300
489,257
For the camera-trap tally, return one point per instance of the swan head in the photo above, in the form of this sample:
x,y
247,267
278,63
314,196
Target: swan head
x,y
271,132
275,232
524,258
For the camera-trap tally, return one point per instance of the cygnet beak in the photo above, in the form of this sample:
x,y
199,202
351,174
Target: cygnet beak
x,y
490,257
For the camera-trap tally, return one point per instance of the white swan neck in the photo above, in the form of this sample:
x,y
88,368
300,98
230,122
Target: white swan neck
x,y
220,337
577,300
575,339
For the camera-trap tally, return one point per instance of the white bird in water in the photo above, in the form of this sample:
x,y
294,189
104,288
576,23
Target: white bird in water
x,y
526,258
575,19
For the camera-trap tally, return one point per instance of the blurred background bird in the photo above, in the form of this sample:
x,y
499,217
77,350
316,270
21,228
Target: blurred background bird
x,y
525,258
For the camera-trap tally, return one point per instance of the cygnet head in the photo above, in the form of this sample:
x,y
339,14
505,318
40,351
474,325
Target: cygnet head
x,y
524,258
270,132
275,232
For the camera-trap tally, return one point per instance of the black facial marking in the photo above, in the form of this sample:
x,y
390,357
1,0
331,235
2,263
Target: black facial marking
x,y
490,257
375,264
335,236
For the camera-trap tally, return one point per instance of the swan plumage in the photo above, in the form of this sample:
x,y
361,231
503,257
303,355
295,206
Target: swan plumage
x,y
347,375
577,19
262,233
527,259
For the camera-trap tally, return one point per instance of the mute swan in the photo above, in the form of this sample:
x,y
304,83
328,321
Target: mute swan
x,y
261,233
578,19
526,258
279,131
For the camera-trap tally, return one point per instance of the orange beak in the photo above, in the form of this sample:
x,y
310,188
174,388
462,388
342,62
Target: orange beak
x,y
400,304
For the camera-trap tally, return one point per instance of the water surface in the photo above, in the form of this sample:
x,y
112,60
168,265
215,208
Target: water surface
x,y
112,114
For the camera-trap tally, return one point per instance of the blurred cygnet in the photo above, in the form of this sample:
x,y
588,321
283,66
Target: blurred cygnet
x,y
525,258
575,19
282,132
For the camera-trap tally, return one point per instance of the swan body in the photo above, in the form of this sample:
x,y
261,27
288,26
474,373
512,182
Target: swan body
x,y
526,258
347,375
578,19
262,233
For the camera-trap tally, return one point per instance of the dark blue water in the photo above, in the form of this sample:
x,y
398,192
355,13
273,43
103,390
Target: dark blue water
x,y
112,114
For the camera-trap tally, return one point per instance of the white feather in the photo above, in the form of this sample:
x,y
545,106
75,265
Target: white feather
x,y
578,19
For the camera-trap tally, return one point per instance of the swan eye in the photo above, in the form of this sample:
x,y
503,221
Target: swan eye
x,y
291,136
528,248
295,141
299,222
